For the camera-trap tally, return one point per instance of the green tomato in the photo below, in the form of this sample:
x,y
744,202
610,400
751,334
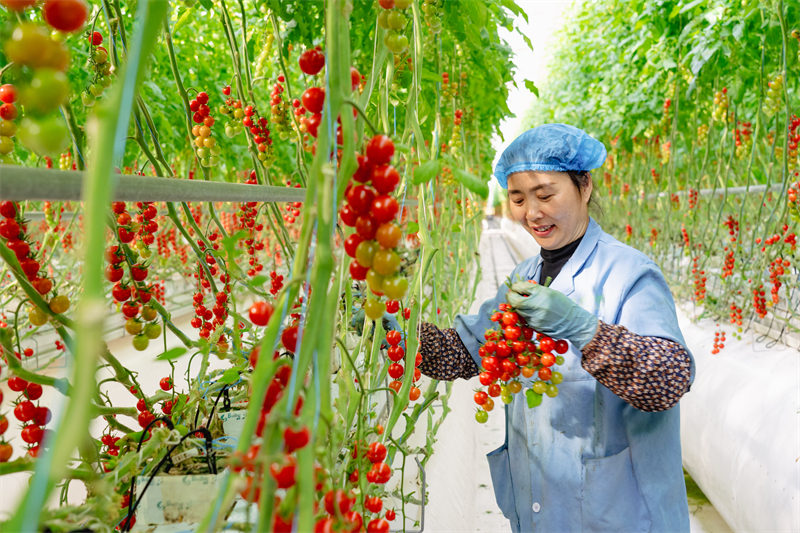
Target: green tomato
x,y
47,90
504,389
481,416
374,308
6,145
383,19
365,252
96,89
229,132
506,398
556,378
213,161
141,342
395,42
100,56
223,110
88,99
396,20
202,153
552,391
539,387
395,287
7,160
7,128
105,81
47,136
215,150
402,4
152,331
205,162
559,359
238,128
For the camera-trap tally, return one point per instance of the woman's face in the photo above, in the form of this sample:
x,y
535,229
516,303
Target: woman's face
x,y
549,206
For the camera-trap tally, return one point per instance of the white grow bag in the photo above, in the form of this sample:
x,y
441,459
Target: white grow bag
x,y
175,499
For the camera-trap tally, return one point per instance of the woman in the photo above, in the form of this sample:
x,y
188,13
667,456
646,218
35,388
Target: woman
x,y
605,454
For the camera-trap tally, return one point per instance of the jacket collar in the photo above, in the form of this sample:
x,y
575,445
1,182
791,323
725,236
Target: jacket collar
x,y
564,282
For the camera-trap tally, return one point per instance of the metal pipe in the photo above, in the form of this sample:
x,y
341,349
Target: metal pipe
x,y
21,183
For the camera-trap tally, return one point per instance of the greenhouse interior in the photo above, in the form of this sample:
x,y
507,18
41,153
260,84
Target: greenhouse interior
x,y
514,266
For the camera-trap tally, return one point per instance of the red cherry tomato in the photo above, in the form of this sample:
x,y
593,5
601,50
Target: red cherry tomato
x,y
393,337
311,61
289,338
561,346
314,99
357,272
65,15
546,344
548,359
376,452
480,397
260,313
360,198
545,374
385,178
8,95
396,371
384,208
295,440
380,150
351,243
348,215
396,353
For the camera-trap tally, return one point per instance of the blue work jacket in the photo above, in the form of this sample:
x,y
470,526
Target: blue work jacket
x,y
586,460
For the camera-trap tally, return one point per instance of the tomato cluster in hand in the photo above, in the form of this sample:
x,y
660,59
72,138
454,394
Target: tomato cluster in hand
x,y
510,351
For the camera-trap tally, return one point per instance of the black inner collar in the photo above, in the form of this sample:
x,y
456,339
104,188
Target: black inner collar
x,y
554,260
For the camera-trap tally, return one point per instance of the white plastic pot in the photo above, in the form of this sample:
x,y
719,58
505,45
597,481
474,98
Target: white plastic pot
x,y
233,422
175,499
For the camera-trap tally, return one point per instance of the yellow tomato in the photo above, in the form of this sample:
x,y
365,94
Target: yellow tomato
x,y
148,313
59,304
6,145
7,128
374,308
515,387
133,326
375,281
37,317
386,262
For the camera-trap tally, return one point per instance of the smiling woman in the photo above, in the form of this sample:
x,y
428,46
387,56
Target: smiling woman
x,y
613,438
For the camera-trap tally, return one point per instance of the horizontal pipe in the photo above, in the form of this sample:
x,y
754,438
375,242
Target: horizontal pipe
x,y
753,189
23,183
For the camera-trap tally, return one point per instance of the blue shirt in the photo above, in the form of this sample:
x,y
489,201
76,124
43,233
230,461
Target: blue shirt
x,y
586,460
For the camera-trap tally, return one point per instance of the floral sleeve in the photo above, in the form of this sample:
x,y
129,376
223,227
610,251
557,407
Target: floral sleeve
x,y
649,373
444,356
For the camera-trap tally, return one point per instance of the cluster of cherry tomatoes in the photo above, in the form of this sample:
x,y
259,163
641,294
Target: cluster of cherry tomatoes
x,y
8,112
396,354
394,20
14,229
101,80
371,209
40,61
206,146
510,351
33,417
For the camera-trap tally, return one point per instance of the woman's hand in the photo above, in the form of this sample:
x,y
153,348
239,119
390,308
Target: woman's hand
x,y
553,314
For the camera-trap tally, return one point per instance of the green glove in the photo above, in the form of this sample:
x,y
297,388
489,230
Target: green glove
x,y
551,313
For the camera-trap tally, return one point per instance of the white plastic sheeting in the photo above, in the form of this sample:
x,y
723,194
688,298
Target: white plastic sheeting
x,y
740,429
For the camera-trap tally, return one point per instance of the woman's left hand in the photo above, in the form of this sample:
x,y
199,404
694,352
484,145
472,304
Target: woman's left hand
x,y
551,313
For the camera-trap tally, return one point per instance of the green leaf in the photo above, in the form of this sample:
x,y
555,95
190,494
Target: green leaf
x,y
174,353
258,281
229,376
207,4
528,42
412,227
532,87
456,228
471,182
426,172
186,17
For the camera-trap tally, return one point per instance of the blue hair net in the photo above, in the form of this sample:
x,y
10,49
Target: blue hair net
x,y
550,147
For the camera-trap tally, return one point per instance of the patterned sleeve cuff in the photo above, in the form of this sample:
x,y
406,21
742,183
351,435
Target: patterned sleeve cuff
x,y
649,373
444,356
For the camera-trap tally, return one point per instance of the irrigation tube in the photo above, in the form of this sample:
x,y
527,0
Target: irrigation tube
x,y
752,189
20,183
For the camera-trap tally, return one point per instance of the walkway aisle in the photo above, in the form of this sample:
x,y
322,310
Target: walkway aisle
x,y
461,497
